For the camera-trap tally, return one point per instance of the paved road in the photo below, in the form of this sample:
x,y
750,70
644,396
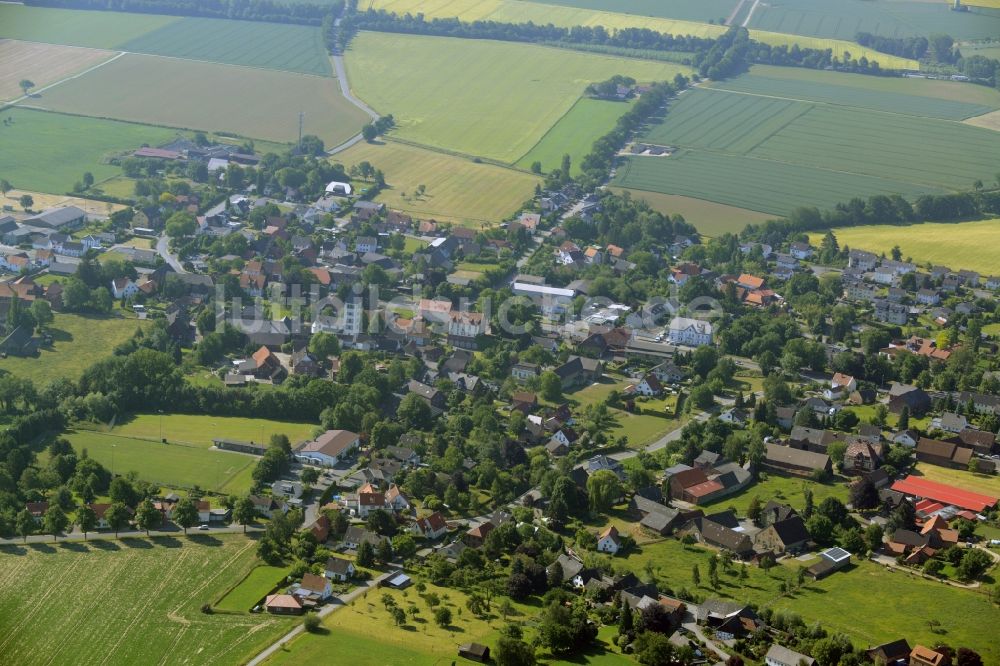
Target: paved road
x,y
345,90
331,607
163,249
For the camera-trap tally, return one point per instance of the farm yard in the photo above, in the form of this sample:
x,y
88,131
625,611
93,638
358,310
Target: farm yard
x,y
136,599
477,97
457,189
49,151
41,64
966,244
575,134
73,349
563,15
198,95
779,143
710,218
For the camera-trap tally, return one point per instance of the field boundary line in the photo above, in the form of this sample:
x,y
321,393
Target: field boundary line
x,y
477,159
754,147
20,99
551,128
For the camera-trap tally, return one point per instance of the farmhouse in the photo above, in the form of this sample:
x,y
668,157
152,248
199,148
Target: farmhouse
x,y
795,461
943,454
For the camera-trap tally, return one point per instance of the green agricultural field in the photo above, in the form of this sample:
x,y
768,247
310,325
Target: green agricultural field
x,y
962,245
96,29
172,465
295,48
761,185
257,584
575,134
457,189
199,430
211,97
133,602
519,11
478,97
771,154
844,19
78,342
830,88
711,219
49,152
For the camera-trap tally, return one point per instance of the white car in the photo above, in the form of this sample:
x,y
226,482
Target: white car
x,y
203,528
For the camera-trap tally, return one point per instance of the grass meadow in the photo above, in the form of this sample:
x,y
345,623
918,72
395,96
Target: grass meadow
x,y
575,134
41,63
710,218
783,142
783,488
294,48
457,189
961,245
212,97
49,152
75,347
133,601
960,478
564,15
198,430
479,97
257,584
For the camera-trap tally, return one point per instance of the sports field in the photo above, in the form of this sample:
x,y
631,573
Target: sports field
x,y
133,602
171,465
78,342
478,97
294,48
968,245
845,18
41,64
457,189
519,11
711,219
201,430
575,134
756,150
49,152
207,96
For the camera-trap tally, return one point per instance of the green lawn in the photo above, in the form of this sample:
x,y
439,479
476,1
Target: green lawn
x,y
171,465
211,97
134,601
78,342
710,218
294,48
257,584
479,97
786,489
199,430
960,245
575,134
412,245
49,152
652,422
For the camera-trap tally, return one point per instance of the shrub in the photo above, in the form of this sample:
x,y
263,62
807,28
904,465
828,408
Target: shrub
x,y
311,623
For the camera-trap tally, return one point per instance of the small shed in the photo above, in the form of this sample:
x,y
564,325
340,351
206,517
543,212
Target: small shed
x,y
474,652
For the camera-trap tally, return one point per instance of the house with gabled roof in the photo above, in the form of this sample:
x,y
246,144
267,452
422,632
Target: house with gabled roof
x,y
609,541
433,526
338,568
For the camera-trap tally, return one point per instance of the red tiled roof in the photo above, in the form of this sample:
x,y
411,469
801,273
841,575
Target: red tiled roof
x,y
940,492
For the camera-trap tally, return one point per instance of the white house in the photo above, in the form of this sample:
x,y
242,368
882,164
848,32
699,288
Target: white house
x,y
328,449
91,242
525,371
339,569
314,586
800,250
779,655
396,500
608,541
366,244
649,385
907,438
844,382
123,288
691,332
431,527
464,324
565,436
668,373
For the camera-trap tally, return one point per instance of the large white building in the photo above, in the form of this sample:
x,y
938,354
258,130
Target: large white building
x,y
345,322
328,448
690,332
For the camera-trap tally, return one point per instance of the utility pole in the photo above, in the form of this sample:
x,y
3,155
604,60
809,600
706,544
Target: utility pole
x,y
302,116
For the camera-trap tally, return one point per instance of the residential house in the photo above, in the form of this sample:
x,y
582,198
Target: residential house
x,y
896,653
649,385
907,438
431,527
396,500
915,399
609,541
718,530
432,396
525,371
690,332
778,655
924,656
892,313
339,569
801,251
943,454
784,536
579,371
861,260
668,373
123,288
314,587
950,422
861,457
283,604
464,327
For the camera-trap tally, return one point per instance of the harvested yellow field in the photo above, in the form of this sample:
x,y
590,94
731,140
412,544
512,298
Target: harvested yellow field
x,y
987,120
518,11
457,189
45,201
42,64
993,4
